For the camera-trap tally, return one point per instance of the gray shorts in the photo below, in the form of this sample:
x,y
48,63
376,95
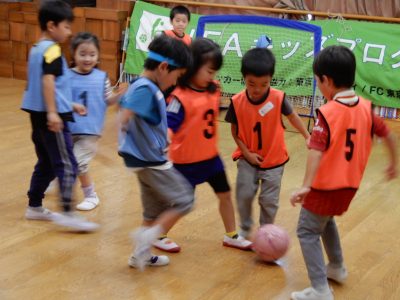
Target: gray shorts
x,y
85,148
162,190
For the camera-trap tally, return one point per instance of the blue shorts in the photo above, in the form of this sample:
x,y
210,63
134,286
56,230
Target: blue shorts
x,y
211,171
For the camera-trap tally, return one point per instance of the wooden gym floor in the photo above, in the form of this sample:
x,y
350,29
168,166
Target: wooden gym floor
x,y
39,261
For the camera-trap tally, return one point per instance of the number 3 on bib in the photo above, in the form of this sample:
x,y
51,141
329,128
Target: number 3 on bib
x,y
209,116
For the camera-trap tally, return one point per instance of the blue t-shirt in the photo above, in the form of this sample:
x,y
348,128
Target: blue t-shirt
x,y
144,104
142,142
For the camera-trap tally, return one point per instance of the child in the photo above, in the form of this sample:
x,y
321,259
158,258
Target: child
x,y
255,115
90,87
192,117
166,194
180,18
48,101
339,148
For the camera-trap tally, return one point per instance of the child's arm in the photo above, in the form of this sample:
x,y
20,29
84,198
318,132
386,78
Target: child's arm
x,y
251,157
79,108
297,123
381,130
124,116
116,93
313,161
391,170
54,122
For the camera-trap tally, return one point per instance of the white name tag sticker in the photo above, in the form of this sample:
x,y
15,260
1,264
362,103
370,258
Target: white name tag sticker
x,y
265,109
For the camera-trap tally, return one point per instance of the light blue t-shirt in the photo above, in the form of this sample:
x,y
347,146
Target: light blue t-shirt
x,y
145,136
88,90
33,97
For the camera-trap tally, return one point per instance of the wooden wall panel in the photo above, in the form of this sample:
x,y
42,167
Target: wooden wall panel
x,y
33,33
5,50
19,51
6,68
4,30
17,32
20,69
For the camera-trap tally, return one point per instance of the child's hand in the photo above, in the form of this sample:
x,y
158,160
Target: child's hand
x,y
391,172
299,195
79,109
254,158
54,122
308,140
121,89
117,93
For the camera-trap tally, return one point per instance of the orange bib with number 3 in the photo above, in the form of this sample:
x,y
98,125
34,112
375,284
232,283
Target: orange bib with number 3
x,y
196,139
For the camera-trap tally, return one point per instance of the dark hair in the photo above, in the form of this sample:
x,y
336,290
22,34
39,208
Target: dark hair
x,y
258,62
56,11
338,63
170,48
203,51
80,38
180,9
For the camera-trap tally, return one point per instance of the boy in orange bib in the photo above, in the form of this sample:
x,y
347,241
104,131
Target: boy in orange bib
x,y
180,18
339,149
255,115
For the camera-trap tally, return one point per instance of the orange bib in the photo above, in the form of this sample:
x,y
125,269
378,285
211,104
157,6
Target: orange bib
x,y
196,139
260,128
350,139
186,38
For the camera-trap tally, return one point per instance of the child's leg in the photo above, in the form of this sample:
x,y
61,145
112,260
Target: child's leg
x,y
64,163
269,194
43,173
166,196
85,147
227,211
335,269
246,189
221,188
58,148
331,240
309,230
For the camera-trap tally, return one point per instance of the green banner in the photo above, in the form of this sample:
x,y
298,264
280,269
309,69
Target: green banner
x,y
375,45
377,50
147,21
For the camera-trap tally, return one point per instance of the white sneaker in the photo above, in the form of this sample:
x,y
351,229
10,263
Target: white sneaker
x,y
336,274
40,213
167,245
154,261
312,294
89,203
244,233
75,222
239,243
144,238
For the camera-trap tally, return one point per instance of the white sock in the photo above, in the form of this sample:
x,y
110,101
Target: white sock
x,y
322,289
89,191
38,208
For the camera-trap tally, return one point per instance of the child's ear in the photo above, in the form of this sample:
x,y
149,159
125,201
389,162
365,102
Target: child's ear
x,y
50,25
163,66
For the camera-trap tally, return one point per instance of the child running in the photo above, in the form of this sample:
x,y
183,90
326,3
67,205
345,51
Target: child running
x,y
91,88
166,195
192,117
339,149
